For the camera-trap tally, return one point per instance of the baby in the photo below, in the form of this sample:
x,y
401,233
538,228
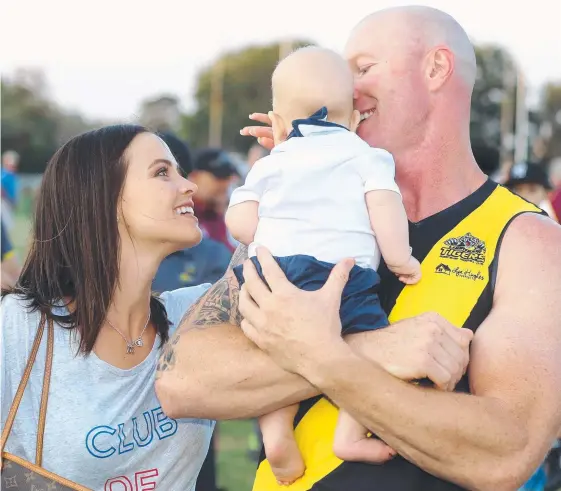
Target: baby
x,y
323,195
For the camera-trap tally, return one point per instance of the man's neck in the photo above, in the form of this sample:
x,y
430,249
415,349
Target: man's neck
x,y
434,177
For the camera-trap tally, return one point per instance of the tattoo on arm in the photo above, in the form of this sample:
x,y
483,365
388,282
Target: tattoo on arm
x,y
218,306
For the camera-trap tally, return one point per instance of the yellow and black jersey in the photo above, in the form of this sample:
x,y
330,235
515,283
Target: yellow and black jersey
x,y
458,250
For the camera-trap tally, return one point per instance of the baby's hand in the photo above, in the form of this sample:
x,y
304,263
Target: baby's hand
x,y
264,134
408,273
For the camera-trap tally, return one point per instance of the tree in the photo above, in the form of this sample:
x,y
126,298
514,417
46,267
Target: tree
x,y
550,112
493,105
160,113
32,124
246,88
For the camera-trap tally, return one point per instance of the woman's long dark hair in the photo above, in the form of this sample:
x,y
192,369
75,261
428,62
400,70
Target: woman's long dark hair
x,y
75,251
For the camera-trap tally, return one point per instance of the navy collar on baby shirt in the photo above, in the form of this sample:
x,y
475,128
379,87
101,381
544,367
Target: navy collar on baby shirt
x,y
319,118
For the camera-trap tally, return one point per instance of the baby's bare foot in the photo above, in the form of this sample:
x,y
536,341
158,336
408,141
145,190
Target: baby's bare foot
x,y
285,459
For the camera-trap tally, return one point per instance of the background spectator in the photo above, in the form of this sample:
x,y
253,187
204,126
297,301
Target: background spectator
x,y
255,153
531,182
10,163
10,264
213,173
555,179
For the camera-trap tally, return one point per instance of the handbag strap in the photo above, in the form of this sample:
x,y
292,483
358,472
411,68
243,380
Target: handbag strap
x,y
44,395
23,384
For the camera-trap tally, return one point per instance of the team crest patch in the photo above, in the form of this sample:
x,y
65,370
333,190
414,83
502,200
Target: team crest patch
x,y
465,248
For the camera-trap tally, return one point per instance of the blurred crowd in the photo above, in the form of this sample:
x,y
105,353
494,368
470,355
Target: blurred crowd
x,y
217,172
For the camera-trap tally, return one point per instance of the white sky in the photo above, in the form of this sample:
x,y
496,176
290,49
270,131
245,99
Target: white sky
x,y
103,57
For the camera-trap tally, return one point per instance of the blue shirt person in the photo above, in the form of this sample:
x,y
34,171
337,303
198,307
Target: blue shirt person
x,y
204,263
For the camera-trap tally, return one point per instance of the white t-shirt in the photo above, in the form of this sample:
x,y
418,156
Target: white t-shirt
x,y
105,428
311,191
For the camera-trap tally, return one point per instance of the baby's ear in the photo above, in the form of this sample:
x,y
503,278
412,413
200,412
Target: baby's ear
x,y
355,120
279,129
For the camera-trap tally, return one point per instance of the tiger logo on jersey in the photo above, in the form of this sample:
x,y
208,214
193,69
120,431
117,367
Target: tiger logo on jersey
x,y
465,248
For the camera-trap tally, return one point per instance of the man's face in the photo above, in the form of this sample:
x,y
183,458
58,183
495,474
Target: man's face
x,y
534,193
389,83
212,191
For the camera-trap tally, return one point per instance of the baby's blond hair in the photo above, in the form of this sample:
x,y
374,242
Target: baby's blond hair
x,y
310,78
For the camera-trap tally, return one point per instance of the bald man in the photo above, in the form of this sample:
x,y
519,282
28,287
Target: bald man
x,y
491,266
321,196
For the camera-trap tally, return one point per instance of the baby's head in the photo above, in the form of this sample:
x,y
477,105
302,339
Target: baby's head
x,y
307,80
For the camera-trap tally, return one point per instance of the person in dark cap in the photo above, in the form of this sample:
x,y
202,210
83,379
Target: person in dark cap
x,y
531,182
213,173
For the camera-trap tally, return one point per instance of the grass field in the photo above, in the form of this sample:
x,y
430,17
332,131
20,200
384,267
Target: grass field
x,y
235,468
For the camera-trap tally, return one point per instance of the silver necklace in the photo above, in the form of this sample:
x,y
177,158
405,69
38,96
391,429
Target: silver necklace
x,y
133,342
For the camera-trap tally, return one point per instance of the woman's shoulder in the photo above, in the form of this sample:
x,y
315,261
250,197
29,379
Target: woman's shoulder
x,y
16,306
177,302
19,321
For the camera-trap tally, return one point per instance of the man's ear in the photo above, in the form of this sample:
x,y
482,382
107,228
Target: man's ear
x,y
279,129
439,67
355,120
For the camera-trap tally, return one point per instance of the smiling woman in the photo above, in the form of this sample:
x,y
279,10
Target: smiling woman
x,y
113,204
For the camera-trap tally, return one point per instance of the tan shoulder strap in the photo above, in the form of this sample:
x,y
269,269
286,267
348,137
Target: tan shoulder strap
x,y
23,384
44,395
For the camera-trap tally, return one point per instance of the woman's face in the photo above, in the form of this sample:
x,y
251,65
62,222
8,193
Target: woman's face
x,y
156,206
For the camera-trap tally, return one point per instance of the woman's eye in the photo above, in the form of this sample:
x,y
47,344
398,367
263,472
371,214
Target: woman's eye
x,y
162,172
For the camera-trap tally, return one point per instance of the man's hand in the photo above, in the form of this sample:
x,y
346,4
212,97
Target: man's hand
x,y
291,324
264,134
286,322
427,346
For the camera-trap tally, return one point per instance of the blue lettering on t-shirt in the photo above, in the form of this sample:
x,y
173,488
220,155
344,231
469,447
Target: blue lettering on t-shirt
x,y
128,435
143,442
123,447
90,442
165,426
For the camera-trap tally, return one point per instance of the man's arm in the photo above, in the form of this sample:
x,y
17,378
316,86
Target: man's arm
x,y
494,438
209,368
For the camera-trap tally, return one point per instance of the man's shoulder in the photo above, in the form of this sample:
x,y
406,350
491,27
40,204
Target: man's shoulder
x,y
531,245
533,230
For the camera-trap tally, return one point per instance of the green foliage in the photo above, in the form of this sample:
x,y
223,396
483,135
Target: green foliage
x,y
32,124
246,89
494,92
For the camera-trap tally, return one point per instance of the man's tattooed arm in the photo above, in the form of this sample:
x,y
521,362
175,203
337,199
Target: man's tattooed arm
x,y
219,305
219,373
